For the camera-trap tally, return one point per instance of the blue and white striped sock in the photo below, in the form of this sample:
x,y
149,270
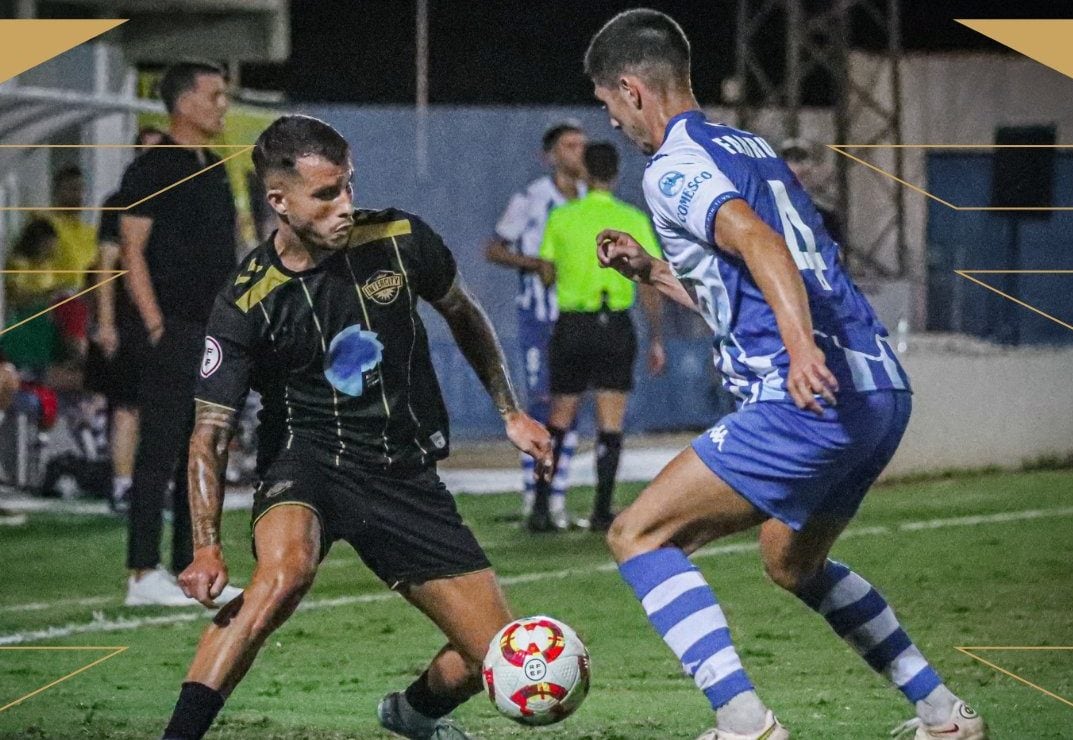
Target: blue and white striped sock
x,y
683,609
528,483
862,617
561,481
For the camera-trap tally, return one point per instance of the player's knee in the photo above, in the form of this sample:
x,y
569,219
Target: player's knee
x,y
282,588
787,576
627,537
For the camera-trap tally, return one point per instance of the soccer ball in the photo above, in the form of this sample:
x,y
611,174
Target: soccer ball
x,y
536,671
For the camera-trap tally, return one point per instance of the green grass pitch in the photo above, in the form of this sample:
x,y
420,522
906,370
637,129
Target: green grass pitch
x,y
960,573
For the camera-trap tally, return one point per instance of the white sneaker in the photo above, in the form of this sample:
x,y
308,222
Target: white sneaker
x,y
772,730
561,520
964,724
156,588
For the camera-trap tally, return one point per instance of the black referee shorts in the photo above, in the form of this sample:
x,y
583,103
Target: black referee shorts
x,y
404,526
592,350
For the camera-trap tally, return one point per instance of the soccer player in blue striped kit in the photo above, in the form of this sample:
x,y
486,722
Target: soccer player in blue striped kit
x,y
823,400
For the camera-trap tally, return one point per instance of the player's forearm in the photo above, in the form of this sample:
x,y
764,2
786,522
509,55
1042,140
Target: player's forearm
x,y
480,346
651,305
779,280
205,471
663,279
140,288
106,293
500,254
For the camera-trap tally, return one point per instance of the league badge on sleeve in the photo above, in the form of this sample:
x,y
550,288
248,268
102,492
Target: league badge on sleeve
x,y
213,357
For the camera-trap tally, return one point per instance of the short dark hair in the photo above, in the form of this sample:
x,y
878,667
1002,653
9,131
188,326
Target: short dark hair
x,y
182,77
644,42
553,132
67,172
601,161
32,238
289,138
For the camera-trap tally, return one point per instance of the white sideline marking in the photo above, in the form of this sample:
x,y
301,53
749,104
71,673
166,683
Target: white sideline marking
x,y
101,624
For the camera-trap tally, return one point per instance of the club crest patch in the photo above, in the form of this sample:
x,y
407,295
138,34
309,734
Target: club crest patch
x,y
383,287
213,357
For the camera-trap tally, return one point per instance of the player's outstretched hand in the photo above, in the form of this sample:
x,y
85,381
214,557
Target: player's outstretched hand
x,y
530,436
620,251
809,377
205,578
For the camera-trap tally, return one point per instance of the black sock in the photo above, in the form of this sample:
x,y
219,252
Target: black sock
x,y
197,707
423,701
543,487
608,450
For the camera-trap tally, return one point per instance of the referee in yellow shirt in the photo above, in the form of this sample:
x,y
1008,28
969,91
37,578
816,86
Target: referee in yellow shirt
x,y
594,345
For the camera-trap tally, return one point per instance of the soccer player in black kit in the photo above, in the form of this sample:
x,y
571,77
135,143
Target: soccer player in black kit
x,y
322,321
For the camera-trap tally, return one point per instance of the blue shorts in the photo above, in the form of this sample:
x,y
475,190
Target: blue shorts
x,y
794,465
533,339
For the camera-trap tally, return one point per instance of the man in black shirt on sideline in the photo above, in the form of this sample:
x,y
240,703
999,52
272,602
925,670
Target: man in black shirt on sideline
x,y
178,247
322,321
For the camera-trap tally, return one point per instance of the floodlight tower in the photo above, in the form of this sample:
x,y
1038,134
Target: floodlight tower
x,y
818,37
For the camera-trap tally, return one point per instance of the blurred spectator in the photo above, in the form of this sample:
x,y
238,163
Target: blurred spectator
x,y
800,156
118,344
35,345
178,247
76,249
9,387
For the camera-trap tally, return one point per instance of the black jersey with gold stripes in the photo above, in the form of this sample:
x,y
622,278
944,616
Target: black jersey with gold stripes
x,y
338,352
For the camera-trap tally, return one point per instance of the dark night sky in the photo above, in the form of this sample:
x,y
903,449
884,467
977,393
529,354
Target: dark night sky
x,y
485,52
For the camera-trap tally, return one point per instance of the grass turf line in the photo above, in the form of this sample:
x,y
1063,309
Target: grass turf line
x,y
321,674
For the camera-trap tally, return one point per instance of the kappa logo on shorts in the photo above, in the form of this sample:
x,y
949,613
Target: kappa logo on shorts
x,y
383,287
278,488
213,357
718,435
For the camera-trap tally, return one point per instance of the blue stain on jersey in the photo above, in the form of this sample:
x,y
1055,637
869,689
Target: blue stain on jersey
x,y
352,353
700,167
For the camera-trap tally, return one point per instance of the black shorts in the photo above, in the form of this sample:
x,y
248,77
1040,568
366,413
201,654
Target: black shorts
x,y
404,526
117,377
592,350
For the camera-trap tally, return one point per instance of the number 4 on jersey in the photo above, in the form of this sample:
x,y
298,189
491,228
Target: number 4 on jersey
x,y
805,256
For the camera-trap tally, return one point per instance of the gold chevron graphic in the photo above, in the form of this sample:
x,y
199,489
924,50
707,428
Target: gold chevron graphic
x,y
27,43
968,275
1044,40
972,650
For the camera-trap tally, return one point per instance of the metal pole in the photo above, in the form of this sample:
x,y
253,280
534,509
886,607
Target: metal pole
x,y
421,68
795,26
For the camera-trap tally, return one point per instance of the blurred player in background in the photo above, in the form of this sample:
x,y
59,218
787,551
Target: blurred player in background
x,y
516,245
823,400
594,344
322,320
178,247
118,341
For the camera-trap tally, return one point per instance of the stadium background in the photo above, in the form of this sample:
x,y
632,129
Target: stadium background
x,y
990,376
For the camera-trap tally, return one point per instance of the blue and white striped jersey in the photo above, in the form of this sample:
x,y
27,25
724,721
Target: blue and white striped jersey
x,y
701,166
522,224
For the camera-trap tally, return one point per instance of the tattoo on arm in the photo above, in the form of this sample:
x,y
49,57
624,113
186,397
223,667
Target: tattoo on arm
x,y
479,345
213,427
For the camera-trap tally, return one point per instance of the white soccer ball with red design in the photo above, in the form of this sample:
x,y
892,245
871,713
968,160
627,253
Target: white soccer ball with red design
x,y
536,671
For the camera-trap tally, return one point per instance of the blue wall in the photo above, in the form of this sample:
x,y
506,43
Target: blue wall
x,y
987,240
477,157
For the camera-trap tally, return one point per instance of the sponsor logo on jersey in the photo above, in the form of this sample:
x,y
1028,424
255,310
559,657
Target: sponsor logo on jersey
x,y
213,357
352,353
383,287
671,183
278,488
685,200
